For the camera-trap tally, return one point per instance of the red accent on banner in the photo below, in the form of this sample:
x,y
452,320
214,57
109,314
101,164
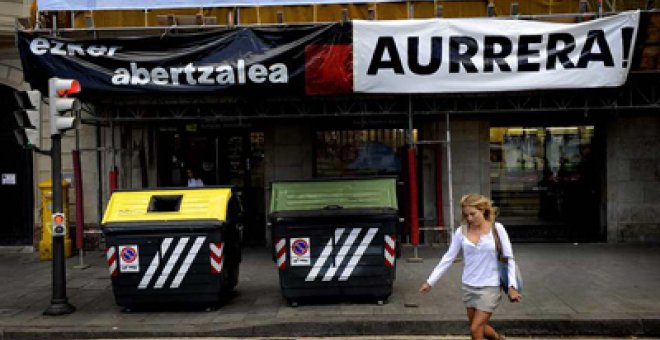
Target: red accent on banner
x,y
412,185
328,69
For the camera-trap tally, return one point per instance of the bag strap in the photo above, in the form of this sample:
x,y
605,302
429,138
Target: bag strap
x,y
498,245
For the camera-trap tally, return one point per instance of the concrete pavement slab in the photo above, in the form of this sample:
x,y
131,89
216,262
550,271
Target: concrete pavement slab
x,y
589,289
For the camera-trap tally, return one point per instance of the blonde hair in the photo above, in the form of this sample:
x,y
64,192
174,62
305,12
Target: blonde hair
x,y
481,203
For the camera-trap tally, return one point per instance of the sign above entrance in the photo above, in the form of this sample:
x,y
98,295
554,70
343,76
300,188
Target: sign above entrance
x,y
486,55
250,61
404,56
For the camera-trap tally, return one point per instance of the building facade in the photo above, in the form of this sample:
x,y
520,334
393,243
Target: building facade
x,y
562,166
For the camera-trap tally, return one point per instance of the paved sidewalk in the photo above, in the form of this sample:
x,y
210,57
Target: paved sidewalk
x,y
590,289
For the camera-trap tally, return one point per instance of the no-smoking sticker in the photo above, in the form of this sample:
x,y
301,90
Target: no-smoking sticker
x,y
300,250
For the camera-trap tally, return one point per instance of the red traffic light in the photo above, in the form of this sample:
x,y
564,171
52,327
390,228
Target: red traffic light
x,y
60,106
73,87
58,219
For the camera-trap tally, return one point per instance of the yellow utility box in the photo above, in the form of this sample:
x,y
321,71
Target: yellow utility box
x,y
46,243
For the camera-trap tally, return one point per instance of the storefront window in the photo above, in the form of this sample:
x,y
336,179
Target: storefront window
x,y
539,175
359,152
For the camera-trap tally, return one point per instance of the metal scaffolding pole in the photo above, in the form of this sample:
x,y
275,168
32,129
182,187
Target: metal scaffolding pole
x,y
450,188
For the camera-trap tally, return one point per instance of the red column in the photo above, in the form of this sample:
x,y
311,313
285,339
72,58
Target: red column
x,y
113,179
80,216
438,186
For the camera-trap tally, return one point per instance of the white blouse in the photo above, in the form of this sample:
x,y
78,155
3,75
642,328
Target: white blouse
x,y
480,259
195,182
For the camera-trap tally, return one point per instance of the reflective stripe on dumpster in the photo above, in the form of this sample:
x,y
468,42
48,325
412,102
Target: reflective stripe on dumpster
x,y
390,250
280,250
111,256
217,257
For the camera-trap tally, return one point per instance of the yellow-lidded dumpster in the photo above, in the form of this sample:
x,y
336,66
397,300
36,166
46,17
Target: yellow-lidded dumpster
x,y
46,242
172,246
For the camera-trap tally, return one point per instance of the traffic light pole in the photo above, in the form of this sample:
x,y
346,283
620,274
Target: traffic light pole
x,y
59,304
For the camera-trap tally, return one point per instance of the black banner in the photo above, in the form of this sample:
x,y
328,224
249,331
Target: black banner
x,y
273,60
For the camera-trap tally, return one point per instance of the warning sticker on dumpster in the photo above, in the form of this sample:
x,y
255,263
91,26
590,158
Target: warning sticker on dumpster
x,y
129,259
300,251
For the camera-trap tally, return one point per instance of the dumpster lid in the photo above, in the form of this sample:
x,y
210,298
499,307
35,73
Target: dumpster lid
x,y
362,214
354,193
168,204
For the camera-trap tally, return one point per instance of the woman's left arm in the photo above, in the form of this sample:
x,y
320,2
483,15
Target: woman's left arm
x,y
507,251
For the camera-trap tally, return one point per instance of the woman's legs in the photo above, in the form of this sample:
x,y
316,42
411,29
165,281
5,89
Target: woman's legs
x,y
479,327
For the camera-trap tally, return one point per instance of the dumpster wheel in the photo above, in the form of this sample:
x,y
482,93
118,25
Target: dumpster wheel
x,y
292,302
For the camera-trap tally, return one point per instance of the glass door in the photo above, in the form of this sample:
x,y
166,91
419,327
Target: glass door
x,y
219,157
546,182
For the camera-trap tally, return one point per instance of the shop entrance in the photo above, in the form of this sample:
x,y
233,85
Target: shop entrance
x,y
16,185
546,182
219,156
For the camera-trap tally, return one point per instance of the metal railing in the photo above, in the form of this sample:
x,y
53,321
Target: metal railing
x,y
168,22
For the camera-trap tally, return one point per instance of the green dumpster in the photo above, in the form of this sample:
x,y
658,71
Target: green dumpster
x,y
335,238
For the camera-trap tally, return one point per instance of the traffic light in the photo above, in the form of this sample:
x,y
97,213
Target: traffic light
x,y
59,224
61,105
28,118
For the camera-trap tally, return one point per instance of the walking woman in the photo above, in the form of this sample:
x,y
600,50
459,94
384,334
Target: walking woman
x,y
481,278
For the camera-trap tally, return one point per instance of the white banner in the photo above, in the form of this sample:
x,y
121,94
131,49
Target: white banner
x,y
91,5
484,55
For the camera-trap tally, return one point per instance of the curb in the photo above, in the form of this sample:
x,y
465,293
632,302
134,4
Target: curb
x,y
289,328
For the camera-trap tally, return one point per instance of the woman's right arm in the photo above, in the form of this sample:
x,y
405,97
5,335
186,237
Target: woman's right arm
x,y
447,259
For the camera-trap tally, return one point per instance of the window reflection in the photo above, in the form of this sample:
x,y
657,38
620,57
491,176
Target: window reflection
x,y
359,152
539,175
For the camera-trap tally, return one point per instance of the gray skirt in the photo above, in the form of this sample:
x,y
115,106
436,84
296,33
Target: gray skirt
x,y
482,298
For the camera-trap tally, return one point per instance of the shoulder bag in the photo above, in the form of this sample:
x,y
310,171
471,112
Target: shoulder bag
x,y
503,265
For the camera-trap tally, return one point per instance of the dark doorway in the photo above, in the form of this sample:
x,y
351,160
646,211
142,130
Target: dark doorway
x,y
16,186
547,182
220,156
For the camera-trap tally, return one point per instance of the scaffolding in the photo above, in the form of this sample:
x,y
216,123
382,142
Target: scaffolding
x,y
326,11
